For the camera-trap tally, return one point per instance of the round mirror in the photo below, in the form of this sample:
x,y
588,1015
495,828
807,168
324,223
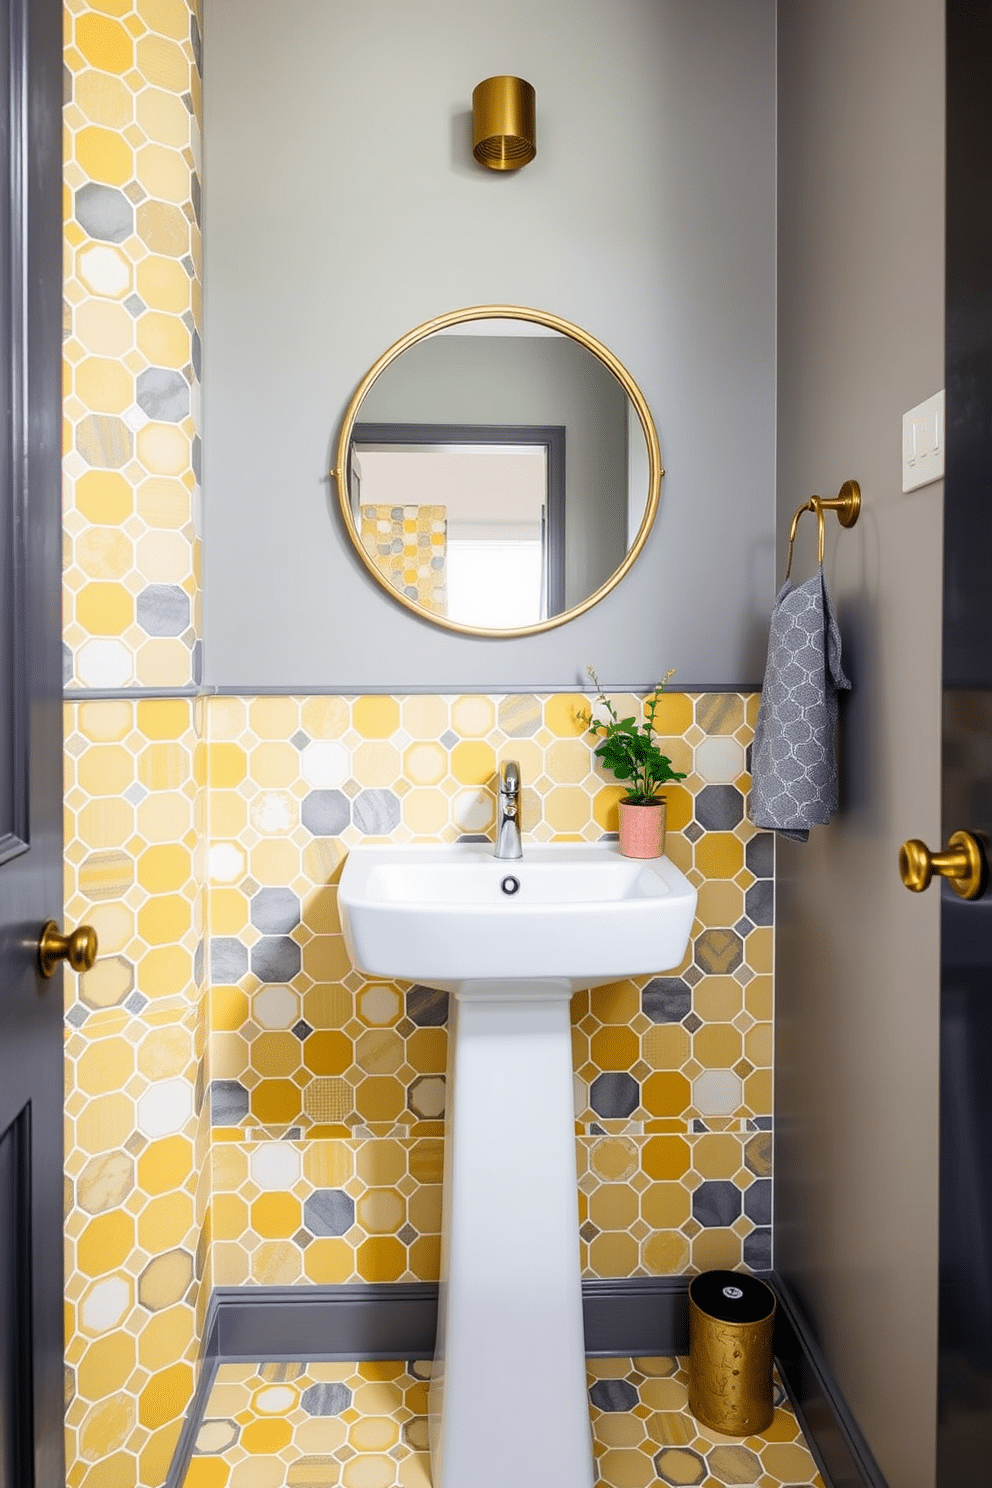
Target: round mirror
x,y
498,470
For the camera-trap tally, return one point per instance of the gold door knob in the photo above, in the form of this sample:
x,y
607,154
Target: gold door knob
x,y
962,863
79,948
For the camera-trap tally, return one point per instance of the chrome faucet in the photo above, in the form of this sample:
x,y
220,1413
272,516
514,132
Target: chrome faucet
x,y
508,821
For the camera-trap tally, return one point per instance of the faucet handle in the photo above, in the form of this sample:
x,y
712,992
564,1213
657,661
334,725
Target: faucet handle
x,y
510,777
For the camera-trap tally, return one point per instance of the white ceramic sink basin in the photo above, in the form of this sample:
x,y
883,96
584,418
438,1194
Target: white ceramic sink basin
x,y
448,914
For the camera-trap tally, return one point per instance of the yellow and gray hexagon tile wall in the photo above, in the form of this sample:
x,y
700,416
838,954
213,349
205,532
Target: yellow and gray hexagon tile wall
x,y
131,344
327,1090
265,1114
137,1153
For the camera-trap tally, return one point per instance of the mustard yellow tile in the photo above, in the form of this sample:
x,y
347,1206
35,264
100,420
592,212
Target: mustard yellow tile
x,y
719,855
276,1216
425,1257
717,1155
105,1243
165,1165
164,971
274,1054
473,763
104,1366
104,155
165,1338
105,609
562,714
375,717
276,1102
758,1044
164,919
165,1222
328,1261
106,1065
380,1098
156,1457
163,718
165,1396
761,949
103,42
665,1046
758,1092
614,1048
719,903
426,1160
717,1045
717,999
613,1254
380,1258
716,1250
619,1002
665,1094
665,1157
604,807
614,1206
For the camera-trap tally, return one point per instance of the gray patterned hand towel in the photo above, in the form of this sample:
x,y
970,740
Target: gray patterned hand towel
x,y
793,766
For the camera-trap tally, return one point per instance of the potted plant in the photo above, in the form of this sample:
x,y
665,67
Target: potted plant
x,y
629,750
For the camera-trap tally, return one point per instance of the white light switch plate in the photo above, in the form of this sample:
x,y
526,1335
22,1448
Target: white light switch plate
x,y
923,443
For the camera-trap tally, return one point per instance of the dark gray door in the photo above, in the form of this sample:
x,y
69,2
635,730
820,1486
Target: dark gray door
x,y
31,1390
964,1431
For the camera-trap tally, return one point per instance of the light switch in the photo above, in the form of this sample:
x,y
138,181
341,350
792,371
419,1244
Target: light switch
x,y
923,443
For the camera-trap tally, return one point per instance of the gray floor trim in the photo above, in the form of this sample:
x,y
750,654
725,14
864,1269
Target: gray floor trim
x,y
639,1315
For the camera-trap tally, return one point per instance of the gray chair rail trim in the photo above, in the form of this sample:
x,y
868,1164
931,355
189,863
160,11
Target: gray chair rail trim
x,y
625,1317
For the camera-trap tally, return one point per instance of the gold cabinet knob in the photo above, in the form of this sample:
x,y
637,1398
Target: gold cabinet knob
x,y
79,948
962,863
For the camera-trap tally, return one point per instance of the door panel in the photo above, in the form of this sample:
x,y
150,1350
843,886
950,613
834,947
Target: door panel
x,y
964,1425
31,1378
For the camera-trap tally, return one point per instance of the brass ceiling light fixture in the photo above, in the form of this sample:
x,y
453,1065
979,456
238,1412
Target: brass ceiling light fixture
x,y
504,123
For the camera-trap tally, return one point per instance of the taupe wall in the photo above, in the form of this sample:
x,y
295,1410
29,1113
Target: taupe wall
x,y
861,165
342,207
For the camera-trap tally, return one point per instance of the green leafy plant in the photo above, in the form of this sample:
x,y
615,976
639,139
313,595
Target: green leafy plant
x,y
629,749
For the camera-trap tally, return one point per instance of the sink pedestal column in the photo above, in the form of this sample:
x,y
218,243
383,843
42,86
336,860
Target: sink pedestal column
x,y
508,1402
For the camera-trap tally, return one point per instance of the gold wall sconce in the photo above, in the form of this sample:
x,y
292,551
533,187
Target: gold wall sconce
x,y
504,123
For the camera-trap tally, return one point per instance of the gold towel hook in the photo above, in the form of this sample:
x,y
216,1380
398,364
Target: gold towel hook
x,y
847,505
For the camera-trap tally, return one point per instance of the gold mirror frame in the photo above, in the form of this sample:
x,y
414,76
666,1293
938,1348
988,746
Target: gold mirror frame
x,y
555,323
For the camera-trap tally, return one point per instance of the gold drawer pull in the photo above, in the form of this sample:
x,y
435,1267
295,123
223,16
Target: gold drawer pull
x,y
78,948
962,863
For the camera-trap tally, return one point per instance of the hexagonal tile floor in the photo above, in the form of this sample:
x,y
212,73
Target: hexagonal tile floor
x,y
365,1426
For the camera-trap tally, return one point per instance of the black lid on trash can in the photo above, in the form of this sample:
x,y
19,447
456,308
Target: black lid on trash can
x,y
732,1296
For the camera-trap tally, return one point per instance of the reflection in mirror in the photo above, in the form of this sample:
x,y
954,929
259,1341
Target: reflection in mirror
x,y
497,472
466,520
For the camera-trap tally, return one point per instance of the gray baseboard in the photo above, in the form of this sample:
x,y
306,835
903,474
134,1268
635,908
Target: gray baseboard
x,y
641,1315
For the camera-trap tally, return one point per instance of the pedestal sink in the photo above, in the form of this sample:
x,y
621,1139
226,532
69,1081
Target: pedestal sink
x,y
512,940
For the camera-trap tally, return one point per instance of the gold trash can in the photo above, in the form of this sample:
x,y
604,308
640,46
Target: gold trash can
x,y
731,1321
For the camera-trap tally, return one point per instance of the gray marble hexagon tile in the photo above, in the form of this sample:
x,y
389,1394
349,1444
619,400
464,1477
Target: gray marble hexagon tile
x,y
794,764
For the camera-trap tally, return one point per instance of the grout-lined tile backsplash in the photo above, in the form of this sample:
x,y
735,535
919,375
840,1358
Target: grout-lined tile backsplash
x,y
245,1107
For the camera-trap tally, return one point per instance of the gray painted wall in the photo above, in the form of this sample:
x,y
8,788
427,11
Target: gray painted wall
x,y
529,380
861,305
342,207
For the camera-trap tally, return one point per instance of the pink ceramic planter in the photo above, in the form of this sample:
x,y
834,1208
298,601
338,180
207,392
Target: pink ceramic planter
x,y
642,829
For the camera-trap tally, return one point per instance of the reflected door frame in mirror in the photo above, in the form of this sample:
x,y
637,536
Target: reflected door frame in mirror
x,y
341,473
